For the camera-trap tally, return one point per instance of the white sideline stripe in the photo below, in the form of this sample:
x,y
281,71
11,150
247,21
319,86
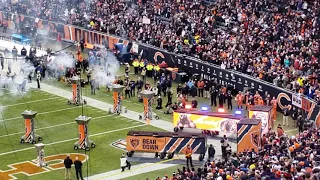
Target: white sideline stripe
x,y
47,127
9,119
73,139
30,102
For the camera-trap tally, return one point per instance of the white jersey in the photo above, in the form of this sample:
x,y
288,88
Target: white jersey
x,y
123,161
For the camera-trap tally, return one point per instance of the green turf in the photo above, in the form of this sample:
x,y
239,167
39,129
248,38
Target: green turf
x,y
104,129
56,112
134,105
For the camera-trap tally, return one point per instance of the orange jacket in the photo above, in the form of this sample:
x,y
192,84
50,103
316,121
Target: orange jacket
x,y
200,84
188,152
260,102
79,56
239,98
274,103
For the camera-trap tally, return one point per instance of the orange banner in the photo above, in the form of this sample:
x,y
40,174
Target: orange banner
x,y
249,136
146,143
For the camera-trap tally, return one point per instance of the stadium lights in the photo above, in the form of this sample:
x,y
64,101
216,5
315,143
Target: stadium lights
x,y
221,110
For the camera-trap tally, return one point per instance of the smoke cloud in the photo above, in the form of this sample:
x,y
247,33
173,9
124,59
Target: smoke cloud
x,y
106,73
63,58
16,82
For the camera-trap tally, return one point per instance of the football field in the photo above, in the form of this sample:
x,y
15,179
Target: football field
x,y
55,123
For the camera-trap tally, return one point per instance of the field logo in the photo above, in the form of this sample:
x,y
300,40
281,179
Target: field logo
x,y
120,144
255,138
30,168
134,142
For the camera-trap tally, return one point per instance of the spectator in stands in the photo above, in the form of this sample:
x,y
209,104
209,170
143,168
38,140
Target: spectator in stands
x,y
213,32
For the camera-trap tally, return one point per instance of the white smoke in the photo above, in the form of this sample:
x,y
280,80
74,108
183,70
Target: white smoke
x,y
63,58
16,83
2,109
105,75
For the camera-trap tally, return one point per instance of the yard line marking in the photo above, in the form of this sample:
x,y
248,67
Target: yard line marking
x,y
73,139
47,127
56,97
137,122
10,119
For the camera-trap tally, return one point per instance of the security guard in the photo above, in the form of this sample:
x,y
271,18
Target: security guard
x,y
135,64
149,69
156,68
141,64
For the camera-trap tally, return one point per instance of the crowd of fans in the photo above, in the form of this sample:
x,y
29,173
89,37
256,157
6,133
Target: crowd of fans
x,y
280,157
277,41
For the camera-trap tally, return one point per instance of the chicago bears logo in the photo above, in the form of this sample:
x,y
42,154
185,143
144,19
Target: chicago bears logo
x,y
134,143
255,138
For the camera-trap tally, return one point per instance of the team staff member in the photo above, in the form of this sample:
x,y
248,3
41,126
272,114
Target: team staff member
x,y
229,100
200,85
247,96
274,108
124,162
239,99
260,101
221,99
78,168
67,164
189,155
250,102
213,96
